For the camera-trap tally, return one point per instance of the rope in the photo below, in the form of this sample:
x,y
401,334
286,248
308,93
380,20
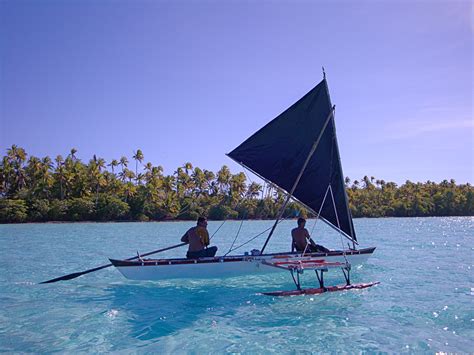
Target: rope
x,y
184,209
217,230
319,213
247,175
255,237
242,221
240,227
338,225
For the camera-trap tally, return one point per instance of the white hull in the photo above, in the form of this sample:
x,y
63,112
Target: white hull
x,y
230,266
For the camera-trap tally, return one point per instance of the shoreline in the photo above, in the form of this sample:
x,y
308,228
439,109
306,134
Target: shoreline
x,y
212,220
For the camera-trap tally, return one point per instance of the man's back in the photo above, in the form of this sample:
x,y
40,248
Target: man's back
x,y
299,236
192,237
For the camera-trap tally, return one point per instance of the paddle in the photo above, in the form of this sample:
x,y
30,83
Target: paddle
x,y
77,274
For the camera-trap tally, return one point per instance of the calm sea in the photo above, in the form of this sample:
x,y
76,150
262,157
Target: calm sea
x,y
424,304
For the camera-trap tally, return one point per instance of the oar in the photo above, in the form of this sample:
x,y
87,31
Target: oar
x,y
77,274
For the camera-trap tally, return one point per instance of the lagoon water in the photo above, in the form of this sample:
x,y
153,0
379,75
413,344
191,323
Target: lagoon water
x,y
424,304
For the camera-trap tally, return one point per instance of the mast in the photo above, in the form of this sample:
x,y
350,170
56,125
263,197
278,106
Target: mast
x,y
290,194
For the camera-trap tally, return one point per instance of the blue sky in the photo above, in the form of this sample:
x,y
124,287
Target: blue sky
x,y
190,80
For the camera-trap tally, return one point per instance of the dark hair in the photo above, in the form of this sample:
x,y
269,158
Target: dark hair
x,y
301,220
201,219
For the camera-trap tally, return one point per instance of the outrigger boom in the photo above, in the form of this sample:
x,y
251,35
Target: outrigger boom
x,y
297,267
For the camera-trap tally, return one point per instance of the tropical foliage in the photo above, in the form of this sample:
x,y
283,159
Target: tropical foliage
x,y
67,189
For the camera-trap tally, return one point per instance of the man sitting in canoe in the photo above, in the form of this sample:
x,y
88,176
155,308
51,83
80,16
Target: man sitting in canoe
x,y
302,242
198,239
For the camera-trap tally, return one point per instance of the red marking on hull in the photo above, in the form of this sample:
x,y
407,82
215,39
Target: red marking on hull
x,y
315,291
300,262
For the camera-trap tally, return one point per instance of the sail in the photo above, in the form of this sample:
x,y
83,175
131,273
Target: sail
x,y
278,151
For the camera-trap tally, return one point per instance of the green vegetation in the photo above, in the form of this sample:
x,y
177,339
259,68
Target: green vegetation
x,y
39,190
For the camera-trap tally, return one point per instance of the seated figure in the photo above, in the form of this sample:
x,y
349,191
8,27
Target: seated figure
x,y
198,239
302,242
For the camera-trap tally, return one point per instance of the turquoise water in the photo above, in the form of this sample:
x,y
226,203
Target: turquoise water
x,y
425,302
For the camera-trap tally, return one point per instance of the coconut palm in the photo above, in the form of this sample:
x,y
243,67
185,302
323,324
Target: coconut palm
x,y
223,179
123,164
73,153
60,174
238,186
138,156
113,164
254,190
347,181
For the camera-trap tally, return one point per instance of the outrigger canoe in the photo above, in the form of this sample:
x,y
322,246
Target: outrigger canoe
x,y
297,152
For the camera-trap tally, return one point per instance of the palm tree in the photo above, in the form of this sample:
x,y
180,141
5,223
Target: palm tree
x,y
223,179
186,180
17,154
100,164
113,164
355,184
73,152
169,183
366,181
210,182
187,166
17,157
60,173
123,164
347,181
130,175
254,190
5,168
46,180
199,182
138,156
130,189
238,186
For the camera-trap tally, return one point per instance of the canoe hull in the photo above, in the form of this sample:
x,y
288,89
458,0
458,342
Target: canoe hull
x,y
230,266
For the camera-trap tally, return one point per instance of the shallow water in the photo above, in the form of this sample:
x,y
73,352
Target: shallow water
x,y
425,302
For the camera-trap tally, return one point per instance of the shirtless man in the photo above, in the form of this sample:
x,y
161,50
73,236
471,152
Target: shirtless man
x,y
301,240
198,239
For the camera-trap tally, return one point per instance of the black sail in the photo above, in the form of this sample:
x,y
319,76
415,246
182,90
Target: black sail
x,y
278,151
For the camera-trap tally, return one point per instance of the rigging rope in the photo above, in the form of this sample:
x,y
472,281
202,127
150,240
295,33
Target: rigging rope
x,y
238,203
240,227
217,230
317,216
184,209
255,237
338,225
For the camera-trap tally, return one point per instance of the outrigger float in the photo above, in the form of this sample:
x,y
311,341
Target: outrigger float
x,y
298,153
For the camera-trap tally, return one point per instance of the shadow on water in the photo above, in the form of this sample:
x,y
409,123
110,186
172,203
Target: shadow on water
x,y
153,310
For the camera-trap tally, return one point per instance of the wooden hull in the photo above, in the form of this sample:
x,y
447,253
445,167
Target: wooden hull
x,y
229,266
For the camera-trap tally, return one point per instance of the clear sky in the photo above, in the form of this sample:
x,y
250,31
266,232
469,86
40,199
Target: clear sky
x,y
190,80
